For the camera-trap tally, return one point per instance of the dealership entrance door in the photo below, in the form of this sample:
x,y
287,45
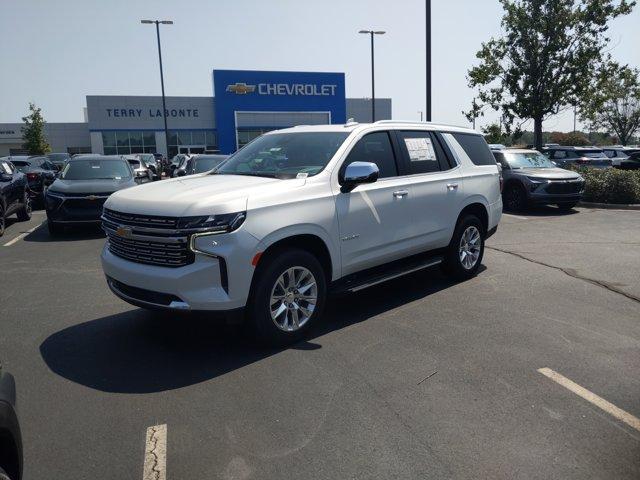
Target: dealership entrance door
x,y
191,149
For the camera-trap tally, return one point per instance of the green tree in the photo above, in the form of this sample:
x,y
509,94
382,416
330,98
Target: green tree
x,y
545,60
33,137
493,134
614,104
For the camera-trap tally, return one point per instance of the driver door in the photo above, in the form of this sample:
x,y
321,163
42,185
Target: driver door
x,y
374,219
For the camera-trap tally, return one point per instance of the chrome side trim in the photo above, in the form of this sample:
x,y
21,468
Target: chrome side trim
x,y
428,264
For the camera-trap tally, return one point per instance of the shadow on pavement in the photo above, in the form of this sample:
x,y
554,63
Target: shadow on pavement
x,y
544,211
69,234
143,352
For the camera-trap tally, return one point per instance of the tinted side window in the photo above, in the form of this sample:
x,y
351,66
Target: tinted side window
x,y
375,148
559,154
423,152
476,148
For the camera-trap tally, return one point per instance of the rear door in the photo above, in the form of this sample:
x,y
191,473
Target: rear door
x,y
375,219
437,187
8,186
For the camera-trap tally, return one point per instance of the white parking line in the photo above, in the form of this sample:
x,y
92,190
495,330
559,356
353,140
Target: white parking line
x,y
515,216
21,236
155,453
599,402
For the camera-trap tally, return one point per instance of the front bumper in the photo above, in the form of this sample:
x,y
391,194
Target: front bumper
x,y
218,279
71,209
545,199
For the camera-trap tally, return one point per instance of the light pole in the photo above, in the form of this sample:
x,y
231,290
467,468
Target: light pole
x,y
373,81
428,49
164,105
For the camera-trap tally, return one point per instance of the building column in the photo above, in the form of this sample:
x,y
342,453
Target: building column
x,y
161,144
96,143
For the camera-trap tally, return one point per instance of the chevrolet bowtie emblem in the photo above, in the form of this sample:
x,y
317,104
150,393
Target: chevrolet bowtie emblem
x,y
124,232
241,88
92,197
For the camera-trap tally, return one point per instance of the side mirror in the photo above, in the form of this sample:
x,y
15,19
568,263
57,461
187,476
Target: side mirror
x,y
357,173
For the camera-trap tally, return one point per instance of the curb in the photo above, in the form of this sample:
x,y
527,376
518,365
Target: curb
x,y
610,206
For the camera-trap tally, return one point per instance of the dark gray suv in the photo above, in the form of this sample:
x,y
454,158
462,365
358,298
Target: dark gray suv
x,y
530,178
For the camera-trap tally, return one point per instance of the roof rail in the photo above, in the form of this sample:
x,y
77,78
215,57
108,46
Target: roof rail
x,y
415,122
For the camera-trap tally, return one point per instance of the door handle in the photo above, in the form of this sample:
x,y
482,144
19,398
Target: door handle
x,y
400,193
452,186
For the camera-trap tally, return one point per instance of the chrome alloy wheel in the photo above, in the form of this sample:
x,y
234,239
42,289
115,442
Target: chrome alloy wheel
x,y
293,299
469,250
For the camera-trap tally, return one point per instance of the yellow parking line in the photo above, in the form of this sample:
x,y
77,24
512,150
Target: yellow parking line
x,y
591,397
155,453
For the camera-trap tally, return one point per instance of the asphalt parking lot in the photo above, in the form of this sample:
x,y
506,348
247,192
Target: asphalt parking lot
x,y
416,378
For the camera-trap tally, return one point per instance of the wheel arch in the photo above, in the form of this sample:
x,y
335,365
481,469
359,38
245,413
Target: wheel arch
x,y
479,209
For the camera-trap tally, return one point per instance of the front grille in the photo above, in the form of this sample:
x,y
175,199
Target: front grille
x,y
564,187
159,253
136,220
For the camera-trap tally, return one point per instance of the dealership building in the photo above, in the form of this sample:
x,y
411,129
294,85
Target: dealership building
x,y
244,105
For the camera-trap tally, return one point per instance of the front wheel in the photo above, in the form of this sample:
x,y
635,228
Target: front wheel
x,y
54,228
24,214
514,198
288,296
2,220
464,254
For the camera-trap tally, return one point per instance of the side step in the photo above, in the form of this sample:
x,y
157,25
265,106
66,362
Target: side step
x,y
374,276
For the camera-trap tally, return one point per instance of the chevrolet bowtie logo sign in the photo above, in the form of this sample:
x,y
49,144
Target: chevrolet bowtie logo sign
x,y
241,88
124,232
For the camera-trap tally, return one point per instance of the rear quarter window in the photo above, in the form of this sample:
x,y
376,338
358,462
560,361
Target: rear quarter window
x,y
476,148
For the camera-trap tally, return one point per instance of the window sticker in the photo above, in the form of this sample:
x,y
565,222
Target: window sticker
x,y
420,149
6,168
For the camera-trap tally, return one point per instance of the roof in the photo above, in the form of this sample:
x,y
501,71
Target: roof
x,y
517,150
353,126
95,156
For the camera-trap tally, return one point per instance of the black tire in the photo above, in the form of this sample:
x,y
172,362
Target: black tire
x,y
514,198
2,219
267,274
565,207
4,475
24,214
54,228
452,264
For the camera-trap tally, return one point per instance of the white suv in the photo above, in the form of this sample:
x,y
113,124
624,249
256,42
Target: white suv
x,y
300,212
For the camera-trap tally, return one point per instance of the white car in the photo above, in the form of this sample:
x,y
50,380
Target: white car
x,y
300,212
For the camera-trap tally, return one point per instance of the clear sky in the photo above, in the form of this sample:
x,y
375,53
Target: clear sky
x,y
56,52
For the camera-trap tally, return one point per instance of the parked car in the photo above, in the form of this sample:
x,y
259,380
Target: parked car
x,y
299,211
530,178
10,434
632,162
141,170
14,194
40,173
85,183
618,154
577,156
199,164
152,163
58,159
177,162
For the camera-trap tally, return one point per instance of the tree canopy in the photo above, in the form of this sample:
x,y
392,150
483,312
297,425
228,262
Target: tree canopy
x,y
33,137
546,59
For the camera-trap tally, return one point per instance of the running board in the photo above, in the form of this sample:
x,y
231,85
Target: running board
x,y
369,278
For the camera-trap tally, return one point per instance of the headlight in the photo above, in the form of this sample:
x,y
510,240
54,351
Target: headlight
x,y
227,222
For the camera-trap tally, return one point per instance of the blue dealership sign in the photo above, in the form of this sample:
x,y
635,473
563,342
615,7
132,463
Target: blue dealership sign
x,y
259,91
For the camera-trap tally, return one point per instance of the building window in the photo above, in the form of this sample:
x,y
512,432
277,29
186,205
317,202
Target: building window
x,y
246,135
128,142
192,141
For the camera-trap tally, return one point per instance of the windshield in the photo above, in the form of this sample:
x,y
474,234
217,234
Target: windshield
x,y
134,163
284,155
204,164
592,154
527,160
96,170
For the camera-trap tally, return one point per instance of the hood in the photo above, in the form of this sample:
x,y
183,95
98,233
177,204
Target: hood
x,y
91,186
196,195
550,173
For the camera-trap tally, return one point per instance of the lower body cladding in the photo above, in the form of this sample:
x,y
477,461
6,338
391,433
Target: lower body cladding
x,y
547,199
218,278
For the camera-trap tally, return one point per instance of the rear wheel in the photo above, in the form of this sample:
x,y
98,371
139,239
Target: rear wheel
x,y
465,252
565,207
2,219
514,198
287,297
24,214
